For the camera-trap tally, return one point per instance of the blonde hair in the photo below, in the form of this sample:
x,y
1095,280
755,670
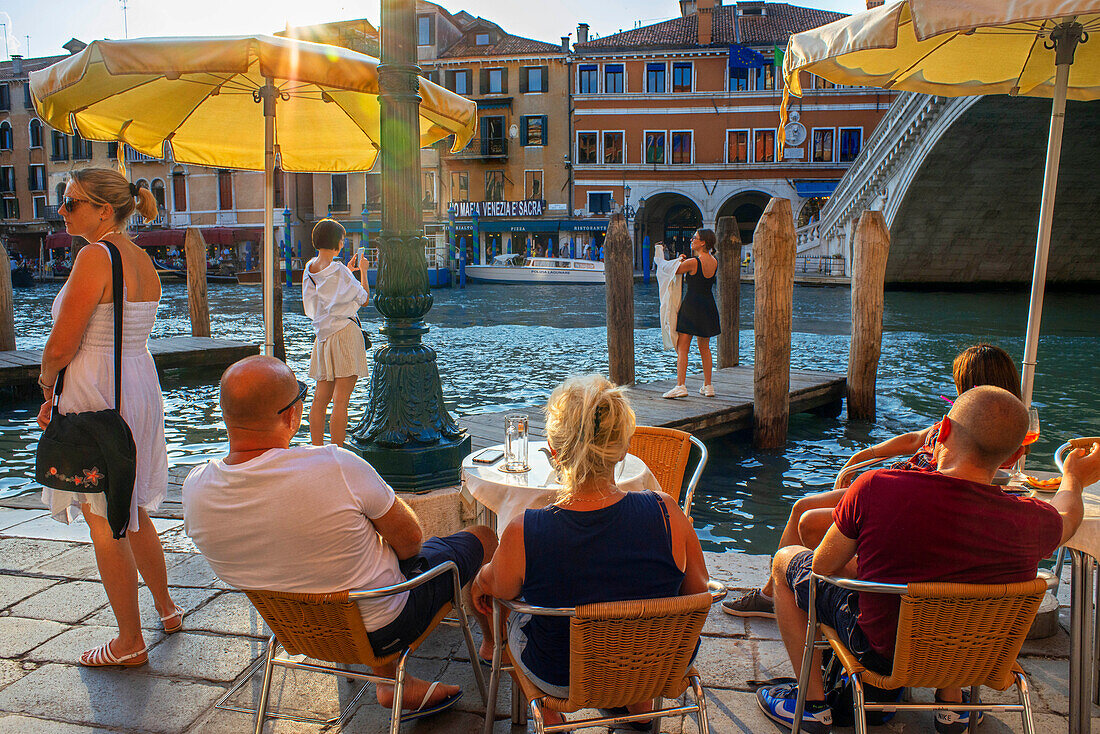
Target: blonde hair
x,y
589,424
104,186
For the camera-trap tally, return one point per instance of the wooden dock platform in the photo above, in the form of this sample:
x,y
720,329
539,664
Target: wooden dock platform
x,y
19,368
728,411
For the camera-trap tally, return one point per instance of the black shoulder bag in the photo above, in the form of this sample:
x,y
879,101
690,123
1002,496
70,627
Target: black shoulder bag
x,y
93,451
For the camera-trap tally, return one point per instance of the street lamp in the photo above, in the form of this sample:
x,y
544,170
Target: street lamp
x,y
407,435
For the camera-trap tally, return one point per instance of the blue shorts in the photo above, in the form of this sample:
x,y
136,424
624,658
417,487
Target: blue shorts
x,y
836,607
425,601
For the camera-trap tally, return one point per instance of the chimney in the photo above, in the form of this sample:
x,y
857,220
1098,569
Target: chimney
x,y
874,4
565,44
16,65
705,11
74,46
582,33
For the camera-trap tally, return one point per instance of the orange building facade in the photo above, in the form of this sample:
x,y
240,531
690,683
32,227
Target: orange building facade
x,y
680,120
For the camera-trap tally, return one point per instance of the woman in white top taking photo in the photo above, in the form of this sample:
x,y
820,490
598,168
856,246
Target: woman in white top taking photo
x,y
331,297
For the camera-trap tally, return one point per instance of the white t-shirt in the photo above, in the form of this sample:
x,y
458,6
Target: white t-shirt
x,y
331,298
296,520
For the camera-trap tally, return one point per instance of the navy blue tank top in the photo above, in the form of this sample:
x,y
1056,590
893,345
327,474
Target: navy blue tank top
x,y
618,553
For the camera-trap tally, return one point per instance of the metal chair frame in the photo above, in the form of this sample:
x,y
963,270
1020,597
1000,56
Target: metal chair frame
x,y
273,645
717,592
861,706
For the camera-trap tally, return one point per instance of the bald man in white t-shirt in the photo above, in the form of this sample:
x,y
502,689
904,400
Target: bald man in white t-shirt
x,y
319,519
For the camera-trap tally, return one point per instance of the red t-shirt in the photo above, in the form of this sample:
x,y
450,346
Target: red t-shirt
x,y
924,526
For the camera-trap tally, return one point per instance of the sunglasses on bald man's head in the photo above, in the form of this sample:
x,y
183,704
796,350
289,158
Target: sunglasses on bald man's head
x,y
303,388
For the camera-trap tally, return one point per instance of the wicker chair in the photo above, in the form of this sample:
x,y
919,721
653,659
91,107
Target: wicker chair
x,y
666,451
329,628
949,636
620,653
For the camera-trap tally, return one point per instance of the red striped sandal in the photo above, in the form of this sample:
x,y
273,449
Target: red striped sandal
x,y
102,657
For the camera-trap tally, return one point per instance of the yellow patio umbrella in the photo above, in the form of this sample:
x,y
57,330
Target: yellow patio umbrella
x,y
954,48
237,102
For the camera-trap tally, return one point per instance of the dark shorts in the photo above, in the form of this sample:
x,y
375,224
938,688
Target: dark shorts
x,y
836,607
427,599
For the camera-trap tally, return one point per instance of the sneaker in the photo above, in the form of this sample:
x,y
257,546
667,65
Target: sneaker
x,y
677,392
751,604
777,703
707,391
956,722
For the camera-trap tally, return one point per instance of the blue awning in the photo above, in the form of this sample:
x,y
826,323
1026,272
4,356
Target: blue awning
x,y
812,188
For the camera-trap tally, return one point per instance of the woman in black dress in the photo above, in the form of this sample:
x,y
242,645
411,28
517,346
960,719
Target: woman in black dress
x,y
698,315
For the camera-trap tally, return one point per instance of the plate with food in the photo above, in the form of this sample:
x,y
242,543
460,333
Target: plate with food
x,y
1043,485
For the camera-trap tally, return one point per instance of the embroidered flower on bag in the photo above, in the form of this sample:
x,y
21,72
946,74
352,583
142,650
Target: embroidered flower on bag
x,y
91,477
53,470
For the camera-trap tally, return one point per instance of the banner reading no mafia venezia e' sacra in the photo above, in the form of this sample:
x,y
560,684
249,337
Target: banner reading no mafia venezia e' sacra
x,y
526,208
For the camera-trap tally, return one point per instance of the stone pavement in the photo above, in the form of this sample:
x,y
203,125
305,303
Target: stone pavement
x,y
52,608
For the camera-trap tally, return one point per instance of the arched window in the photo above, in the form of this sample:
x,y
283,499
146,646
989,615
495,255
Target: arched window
x,y
158,192
60,193
179,190
5,136
35,129
142,183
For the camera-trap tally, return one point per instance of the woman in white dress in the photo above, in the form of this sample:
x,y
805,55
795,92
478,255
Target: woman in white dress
x,y
96,207
331,298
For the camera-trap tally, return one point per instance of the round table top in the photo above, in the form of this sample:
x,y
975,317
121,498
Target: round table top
x,y
509,493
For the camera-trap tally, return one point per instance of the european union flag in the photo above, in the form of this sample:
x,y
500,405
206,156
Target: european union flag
x,y
744,58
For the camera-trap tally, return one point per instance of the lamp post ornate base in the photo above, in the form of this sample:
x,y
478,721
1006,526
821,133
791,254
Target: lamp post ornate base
x,y
407,434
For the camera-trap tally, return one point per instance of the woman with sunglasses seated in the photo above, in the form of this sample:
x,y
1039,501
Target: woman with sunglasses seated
x,y
811,516
96,207
595,543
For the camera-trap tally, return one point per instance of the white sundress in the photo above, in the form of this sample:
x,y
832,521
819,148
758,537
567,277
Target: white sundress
x,y
90,385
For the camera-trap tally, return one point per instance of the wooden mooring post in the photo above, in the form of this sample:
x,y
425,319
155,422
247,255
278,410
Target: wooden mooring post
x,y
773,248
729,292
194,248
7,304
619,271
870,248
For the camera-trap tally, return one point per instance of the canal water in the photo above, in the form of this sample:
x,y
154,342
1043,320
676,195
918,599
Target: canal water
x,y
505,346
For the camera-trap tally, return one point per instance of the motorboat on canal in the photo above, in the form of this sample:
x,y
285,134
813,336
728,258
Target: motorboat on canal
x,y
515,268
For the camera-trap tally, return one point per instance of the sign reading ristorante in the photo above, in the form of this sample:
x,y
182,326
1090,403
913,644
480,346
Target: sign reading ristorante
x,y
526,208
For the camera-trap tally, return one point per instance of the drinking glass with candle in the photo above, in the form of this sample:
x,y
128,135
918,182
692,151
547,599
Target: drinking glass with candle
x,y
515,442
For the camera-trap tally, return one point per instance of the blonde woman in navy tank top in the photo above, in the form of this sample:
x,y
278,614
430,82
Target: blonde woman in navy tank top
x,y
595,543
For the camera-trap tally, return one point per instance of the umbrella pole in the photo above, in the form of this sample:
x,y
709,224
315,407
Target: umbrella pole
x,y
1065,37
268,95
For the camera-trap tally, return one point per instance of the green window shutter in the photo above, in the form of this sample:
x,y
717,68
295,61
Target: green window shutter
x,y
523,131
523,79
545,130
504,81
545,78
483,87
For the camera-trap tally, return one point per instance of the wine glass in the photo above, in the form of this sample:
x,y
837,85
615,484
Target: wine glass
x,y
1030,437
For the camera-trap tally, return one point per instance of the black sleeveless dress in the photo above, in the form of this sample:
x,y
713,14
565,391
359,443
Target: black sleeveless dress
x,y
698,314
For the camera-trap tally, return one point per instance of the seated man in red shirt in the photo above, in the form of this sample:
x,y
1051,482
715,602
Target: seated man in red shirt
x,y
951,525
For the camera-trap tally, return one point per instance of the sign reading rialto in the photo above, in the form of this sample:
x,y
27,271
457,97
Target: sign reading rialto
x,y
526,208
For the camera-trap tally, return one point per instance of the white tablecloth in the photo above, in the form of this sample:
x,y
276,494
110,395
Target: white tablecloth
x,y
508,494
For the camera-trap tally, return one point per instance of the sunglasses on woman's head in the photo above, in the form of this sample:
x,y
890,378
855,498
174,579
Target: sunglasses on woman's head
x,y
302,389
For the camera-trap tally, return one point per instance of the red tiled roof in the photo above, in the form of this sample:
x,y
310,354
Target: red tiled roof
x,y
775,27
508,45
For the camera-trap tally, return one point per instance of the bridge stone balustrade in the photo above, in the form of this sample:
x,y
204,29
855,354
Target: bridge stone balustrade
x,y
959,182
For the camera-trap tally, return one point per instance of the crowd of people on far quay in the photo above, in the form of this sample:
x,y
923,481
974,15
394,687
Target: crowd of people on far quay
x,y
278,515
